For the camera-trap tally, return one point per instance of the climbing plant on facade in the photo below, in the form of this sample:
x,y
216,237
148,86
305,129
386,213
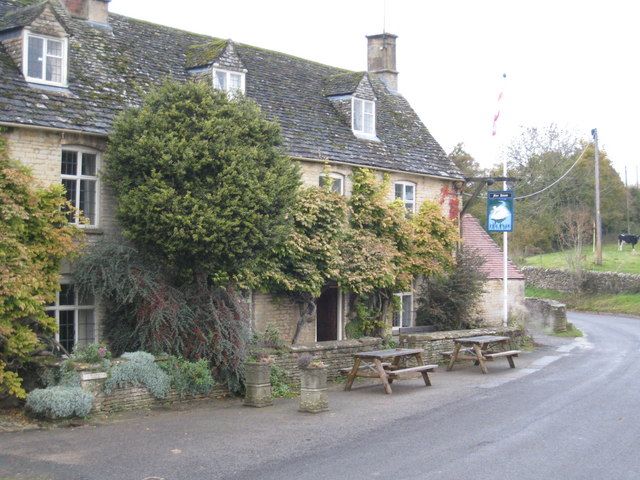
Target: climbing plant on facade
x,y
35,236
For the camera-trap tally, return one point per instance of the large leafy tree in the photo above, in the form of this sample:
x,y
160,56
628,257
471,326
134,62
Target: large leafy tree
x,y
34,237
201,181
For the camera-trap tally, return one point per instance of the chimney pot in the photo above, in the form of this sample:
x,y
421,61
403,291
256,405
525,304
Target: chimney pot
x,y
96,11
381,58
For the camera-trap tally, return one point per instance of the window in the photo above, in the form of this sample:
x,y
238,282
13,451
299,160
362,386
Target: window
x,y
335,179
79,170
45,59
75,316
230,82
406,191
404,316
363,113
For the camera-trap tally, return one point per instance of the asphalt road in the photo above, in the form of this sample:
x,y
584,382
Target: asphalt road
x,y
569,411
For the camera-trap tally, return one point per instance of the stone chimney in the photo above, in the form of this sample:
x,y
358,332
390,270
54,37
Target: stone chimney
x,y
96,11
381,58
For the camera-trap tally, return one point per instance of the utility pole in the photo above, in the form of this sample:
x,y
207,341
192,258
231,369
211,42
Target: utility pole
x,y
598,261
626,189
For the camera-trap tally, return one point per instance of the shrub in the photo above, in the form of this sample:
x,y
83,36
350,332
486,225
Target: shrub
x,y
139,370
60,402
188,378
448,301
35,236
92,353
280,386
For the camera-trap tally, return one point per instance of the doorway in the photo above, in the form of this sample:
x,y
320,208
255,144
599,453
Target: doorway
x,y
328,324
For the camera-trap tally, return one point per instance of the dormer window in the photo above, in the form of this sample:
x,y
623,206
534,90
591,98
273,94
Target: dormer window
x,y
45,59
230,82
363,115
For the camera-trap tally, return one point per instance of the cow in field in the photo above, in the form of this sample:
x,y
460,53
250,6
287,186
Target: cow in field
x,y
627,238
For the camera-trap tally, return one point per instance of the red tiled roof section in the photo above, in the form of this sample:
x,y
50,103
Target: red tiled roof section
x,y
474,236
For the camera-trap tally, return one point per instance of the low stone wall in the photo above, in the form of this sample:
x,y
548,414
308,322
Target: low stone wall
x,y
587,282
433,343
335,355
132,398
548,313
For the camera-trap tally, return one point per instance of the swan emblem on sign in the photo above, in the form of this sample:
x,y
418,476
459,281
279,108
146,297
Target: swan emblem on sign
x,y
500,214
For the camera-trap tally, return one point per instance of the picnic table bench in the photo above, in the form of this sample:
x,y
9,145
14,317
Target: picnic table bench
x,y
479,350
370,365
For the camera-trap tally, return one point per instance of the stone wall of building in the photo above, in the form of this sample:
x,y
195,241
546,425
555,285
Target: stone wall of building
x,y
433,343
586,281
490,304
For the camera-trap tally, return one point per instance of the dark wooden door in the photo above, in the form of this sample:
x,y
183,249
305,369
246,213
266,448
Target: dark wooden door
x,y
327,315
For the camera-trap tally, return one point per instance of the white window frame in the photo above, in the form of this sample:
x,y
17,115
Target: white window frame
x,y
228,74
333,176
400,295
57,308
25,58
404,194
363,133
78,177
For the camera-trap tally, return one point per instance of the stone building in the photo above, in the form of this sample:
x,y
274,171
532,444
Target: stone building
x,y
490,307
68,67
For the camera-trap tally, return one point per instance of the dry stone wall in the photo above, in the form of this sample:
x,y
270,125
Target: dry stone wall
x,y
548,313
585,282
434,343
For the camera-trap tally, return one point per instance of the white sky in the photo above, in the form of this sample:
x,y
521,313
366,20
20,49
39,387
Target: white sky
x,y
573,63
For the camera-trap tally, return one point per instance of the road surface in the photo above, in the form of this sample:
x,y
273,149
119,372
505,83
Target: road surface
x,y
569,411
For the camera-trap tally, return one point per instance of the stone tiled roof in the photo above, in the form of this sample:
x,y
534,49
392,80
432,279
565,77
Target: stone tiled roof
x,y
342,83
110,69
20,17
474,236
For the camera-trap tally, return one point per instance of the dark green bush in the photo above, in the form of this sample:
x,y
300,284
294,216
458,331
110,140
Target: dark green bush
x,y
448,302
188,378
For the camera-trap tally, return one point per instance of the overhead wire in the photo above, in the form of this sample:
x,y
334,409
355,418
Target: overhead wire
x,y
529,195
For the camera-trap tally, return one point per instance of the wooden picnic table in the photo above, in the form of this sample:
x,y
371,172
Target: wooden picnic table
x,y
372,365
480,349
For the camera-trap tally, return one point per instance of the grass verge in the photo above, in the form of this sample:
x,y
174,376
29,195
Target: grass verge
x,y
612,260
572,332
625,303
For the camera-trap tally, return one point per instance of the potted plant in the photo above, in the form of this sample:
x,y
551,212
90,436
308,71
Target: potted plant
x,y
313,384
257,371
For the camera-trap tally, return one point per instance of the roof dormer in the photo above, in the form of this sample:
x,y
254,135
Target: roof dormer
x,y
217,61
37,41
353,97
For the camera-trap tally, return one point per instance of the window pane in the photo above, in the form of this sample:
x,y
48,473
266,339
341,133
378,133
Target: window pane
x,y
88,199
336,186
220,81
86,327
368,123
86,299
66,329
406,310
70,187
399,190
396,319
357,115
368,107
67,294
54,69
235,81
54,48
88,164
69,163
409,206
35,55
408,192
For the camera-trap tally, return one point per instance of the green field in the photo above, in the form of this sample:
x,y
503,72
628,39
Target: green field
x,y
612,260
624,303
